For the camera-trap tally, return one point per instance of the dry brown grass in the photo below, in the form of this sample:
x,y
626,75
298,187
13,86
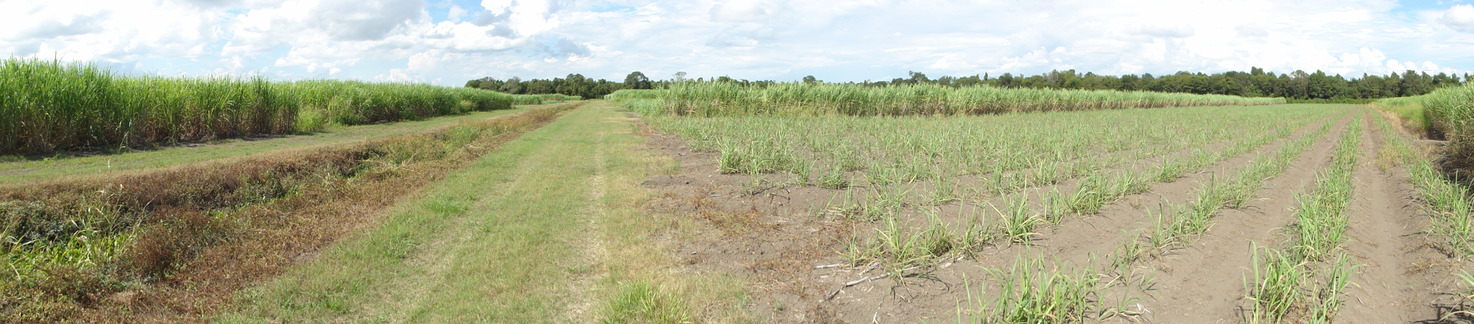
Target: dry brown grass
x,y
206,231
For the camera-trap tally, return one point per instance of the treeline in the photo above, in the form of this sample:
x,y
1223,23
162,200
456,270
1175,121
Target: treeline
x,y
1298,85
573,85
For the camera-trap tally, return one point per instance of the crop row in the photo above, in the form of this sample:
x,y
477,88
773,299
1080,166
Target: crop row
x,y
921,148
1034,290
1177,223
1296,280
887,164
801,99
54,106
1101,187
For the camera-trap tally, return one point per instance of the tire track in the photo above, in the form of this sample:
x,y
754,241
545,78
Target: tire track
x,y
1388,244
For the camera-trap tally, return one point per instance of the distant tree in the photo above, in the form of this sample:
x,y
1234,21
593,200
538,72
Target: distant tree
x,y
489,84
1257,82
513,85
918,78
945,80
636,80
1130,82
969,81
1005,80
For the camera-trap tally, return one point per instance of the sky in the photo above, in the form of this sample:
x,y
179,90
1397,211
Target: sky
x,y
447,42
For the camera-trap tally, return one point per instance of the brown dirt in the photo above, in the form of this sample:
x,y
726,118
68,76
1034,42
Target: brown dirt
x,y
769,239
1204,282
786,244
783,242
1075,241
1097,235
1400,276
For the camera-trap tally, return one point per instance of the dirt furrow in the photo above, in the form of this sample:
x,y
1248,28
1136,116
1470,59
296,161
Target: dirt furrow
x,y
956,213
1121,221
1129,159
1388,244
1204,281
1079,241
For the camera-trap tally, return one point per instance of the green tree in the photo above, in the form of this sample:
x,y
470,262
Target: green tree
x,y
918,78
636,80
513,86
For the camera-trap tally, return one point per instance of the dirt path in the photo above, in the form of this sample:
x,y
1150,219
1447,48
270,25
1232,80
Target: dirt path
x,y
1387,242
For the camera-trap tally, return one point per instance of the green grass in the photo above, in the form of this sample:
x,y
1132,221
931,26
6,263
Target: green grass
x,y
1410,109
54,106
1017,221
132,230
1032,291
527,221
1444,113
24,170
1275,288
495,242
642,302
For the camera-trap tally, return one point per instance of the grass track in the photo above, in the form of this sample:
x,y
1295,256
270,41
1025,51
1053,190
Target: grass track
x,y
42,169
498,242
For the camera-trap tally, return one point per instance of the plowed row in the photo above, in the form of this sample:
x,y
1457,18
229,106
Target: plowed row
x,y
1168,230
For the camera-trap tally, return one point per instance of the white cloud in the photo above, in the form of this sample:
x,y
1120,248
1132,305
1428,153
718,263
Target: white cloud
x,y
745,39
1460,17
1166,31
357,20
455,13
531,17
741,10
496,7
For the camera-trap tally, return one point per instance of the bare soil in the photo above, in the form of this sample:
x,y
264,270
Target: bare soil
x,y
1204,281
1401,277
782,240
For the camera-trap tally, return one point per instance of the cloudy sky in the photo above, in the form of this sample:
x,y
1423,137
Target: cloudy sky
x,y
450,41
